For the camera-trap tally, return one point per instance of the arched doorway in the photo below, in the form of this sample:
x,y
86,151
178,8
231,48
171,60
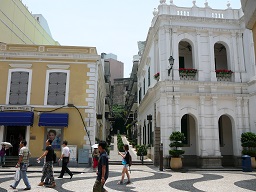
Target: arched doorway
x,y
188,128
226,140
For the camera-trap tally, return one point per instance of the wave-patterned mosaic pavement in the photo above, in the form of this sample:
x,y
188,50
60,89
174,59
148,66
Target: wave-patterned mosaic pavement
x,y
144,178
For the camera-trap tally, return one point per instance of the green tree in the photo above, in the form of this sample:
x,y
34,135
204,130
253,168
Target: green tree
x,y
119,115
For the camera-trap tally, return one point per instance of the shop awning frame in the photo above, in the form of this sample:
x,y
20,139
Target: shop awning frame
x,y
17,118
53,120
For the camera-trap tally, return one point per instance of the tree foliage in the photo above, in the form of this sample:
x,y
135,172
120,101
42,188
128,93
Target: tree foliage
x,y
118,111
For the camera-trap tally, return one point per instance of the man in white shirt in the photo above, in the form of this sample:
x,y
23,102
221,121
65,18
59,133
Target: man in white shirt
x,y
65,160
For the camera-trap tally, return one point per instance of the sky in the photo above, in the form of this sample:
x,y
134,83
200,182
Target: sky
x,y
112,26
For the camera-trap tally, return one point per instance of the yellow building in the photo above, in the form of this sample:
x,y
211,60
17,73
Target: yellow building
x,y
18,25
47,88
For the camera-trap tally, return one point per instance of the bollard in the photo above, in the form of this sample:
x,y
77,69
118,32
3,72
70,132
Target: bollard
x,y
161,157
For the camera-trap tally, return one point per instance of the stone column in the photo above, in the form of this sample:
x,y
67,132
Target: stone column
x,y
175,48
211,58
233,60
163,58
215,127
197,59
164,123
177,113
202,134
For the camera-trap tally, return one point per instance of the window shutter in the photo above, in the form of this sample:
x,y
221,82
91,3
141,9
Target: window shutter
x,y
57,88
18,88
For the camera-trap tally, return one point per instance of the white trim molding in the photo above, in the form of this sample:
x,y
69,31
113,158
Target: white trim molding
x,y
26,66
52,66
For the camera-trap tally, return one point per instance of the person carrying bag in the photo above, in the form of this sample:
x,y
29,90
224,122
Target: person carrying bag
x,y
23,166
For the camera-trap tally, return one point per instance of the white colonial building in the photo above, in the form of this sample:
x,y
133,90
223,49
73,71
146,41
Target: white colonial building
x,y
209,94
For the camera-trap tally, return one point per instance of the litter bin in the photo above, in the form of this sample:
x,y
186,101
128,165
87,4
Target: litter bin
x,y
246,163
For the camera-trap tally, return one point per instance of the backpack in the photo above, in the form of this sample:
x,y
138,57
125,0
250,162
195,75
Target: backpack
x,y
129,161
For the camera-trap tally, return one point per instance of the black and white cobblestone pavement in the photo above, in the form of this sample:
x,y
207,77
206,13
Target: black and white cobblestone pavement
x,y
144,178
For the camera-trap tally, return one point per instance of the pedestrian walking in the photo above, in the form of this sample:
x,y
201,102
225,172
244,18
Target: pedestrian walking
x,y
103,168
23,162
2,155
48,166
65,160
125,163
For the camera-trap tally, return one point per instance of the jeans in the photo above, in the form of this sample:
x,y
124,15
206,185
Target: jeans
x,y
2,160
23,175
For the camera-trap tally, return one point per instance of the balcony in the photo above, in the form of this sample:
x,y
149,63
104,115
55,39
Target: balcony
x,y
188,74
224,75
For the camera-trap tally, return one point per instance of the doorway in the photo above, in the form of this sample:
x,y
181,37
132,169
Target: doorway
x,y
14,134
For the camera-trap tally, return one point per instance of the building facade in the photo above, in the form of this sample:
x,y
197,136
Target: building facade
x,y
208,93
51,92
116,67
18,25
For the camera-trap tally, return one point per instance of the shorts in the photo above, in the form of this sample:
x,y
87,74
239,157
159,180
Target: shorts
x,y
125,165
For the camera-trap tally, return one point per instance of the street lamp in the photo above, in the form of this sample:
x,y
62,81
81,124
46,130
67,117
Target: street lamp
x,y
171,62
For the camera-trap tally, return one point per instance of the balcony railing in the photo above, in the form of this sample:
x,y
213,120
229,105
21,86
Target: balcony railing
x,y
223,77
187,74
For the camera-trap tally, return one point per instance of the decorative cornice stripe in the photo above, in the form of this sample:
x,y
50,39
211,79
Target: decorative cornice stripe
x,y
58,66
26,66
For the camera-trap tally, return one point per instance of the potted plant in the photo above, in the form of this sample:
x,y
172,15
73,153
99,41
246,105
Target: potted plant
x,y
176,139
187,72
157,76
248,141
223,73
142,151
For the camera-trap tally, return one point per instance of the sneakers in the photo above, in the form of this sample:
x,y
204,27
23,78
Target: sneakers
x,y
27,188
120,183
71,176
41,184
128,182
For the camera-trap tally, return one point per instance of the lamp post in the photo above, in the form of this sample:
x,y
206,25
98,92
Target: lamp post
x,y
171,62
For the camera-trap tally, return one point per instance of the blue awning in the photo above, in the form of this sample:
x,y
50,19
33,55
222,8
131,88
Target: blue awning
x,y
53,119
16,118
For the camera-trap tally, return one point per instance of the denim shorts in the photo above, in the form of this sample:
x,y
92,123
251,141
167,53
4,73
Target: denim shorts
x,y
125,165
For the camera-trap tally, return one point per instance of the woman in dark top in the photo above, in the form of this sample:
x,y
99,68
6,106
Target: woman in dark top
x,y
48,165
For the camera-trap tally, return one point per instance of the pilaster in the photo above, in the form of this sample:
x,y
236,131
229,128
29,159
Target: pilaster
x,y
234,59
215,127
198,58
202,126
177,113
211,58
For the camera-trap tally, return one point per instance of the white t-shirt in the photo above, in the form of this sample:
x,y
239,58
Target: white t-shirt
x,y
65,151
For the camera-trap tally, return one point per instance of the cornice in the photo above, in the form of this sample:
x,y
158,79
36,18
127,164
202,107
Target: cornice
x,y
163,88
26,66
53,66
41,55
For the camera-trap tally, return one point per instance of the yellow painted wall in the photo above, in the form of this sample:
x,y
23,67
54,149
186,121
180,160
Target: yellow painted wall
x,y
19,26
75,132
78,78
4,69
